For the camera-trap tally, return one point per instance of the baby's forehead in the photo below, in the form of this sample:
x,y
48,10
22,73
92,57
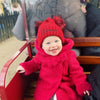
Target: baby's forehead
x,y
50,38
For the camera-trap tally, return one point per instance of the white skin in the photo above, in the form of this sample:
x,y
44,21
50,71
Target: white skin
x,y
52,45
83,8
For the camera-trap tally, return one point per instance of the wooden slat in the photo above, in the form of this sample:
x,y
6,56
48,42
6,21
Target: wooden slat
x,y
30,92
81,41
33,84
86,41
87,73
31,89
89,59
28,98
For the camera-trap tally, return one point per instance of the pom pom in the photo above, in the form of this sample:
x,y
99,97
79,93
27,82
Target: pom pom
x,y
60,22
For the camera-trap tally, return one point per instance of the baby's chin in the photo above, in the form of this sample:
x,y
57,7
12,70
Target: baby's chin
x,y
54,54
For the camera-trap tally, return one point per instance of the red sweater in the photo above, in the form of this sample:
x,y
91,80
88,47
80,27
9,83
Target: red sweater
x,y
59,74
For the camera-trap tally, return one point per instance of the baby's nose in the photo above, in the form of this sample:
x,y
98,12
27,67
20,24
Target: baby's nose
x,y
53,46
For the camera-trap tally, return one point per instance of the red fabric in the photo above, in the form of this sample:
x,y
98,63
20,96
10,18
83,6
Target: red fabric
x,y
49,28
60,22
59,74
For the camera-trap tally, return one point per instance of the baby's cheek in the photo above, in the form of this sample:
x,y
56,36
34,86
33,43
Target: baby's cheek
x,y
46,51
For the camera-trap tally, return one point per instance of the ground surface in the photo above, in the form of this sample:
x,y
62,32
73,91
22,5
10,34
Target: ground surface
x,y
7,49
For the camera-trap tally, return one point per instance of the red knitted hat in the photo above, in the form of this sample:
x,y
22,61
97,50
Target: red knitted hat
x,y
49,28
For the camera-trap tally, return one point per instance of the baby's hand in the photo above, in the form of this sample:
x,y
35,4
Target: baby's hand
x,y
87,92
20,69
83,8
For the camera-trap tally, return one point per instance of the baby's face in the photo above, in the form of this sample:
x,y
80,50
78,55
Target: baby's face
x,y
52,45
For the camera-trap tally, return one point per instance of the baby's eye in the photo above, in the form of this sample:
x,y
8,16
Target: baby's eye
x,y
56,40
48,43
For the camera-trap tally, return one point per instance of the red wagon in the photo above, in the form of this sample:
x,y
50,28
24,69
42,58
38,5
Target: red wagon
x,y
19,88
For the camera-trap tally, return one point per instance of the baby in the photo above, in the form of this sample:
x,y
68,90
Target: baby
x,y
61,77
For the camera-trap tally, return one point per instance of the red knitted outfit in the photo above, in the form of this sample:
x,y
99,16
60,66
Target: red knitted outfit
x,y
60,75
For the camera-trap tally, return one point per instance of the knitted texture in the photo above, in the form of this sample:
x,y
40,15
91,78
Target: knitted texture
x,y
49,28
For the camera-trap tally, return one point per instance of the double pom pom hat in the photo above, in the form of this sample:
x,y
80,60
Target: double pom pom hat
x,y
49,28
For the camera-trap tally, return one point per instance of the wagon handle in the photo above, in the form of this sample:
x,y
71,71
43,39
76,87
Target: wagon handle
x,y
8,63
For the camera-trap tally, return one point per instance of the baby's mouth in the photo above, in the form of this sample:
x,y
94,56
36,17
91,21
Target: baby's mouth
x,y
54,50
